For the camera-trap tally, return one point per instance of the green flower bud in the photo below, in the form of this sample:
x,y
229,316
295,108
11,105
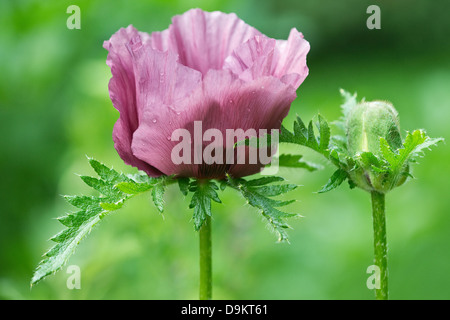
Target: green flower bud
x,y
367,122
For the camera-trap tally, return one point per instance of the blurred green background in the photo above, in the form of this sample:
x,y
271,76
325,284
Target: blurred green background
x,y
55,110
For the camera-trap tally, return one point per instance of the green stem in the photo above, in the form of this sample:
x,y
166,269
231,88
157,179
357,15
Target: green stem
x,y
380,243
205,260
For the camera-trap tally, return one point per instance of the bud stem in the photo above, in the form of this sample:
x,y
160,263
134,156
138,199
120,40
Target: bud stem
x,y
205,260
380,243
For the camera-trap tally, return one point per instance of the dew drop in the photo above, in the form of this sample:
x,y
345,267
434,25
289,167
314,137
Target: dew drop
x,y
231,101
154,120
168,138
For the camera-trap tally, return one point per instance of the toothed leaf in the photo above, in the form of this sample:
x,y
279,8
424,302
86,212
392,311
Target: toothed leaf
x,y
258,193
335,181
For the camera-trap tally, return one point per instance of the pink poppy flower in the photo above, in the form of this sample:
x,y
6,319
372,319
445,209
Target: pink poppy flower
x,y
209,67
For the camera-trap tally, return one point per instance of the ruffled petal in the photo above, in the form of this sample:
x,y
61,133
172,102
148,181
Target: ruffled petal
x,y
291,59
223,102
204,39
122,91
253,59
163,91
262,56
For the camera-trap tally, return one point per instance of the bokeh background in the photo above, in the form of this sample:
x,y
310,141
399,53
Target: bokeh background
x,y
55,110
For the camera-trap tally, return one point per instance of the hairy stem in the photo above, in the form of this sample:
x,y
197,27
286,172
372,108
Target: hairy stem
x,y
380,243
205,260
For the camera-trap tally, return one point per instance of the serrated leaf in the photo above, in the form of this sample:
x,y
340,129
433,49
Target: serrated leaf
x,y
183,183
312,142
398,161
387,153
300,131
92,210
275,190
223,184
158,196
324,133
203,192
349,102
263,181
112,206
335,181
413,145
258,195
133,187
83,202
57,256
294,161
306,137
106,173
104,187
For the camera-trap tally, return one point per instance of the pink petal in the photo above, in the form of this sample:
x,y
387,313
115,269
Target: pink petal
x,y
291,58
204,39
253,59
223,102
263,56
122,91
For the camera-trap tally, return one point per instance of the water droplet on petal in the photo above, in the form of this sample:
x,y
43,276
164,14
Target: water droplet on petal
x,y
154,120
178,113
231,101
168,138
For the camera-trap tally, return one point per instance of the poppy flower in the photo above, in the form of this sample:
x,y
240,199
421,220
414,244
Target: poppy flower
x,y
209,68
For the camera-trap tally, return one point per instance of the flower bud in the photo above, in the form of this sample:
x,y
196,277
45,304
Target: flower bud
x,y
367,122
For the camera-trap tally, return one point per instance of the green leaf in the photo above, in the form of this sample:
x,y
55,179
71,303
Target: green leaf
x,y
112,206
115,188
300,132
183,183
263,181
133,187
387,153
335,181
258,195
275,190
106,173
349,102
312,141
294,161
203,192
325,133
305,136
158,195
413,146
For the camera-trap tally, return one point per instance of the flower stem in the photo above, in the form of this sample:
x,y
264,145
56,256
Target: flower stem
x,y
205,260
380,243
